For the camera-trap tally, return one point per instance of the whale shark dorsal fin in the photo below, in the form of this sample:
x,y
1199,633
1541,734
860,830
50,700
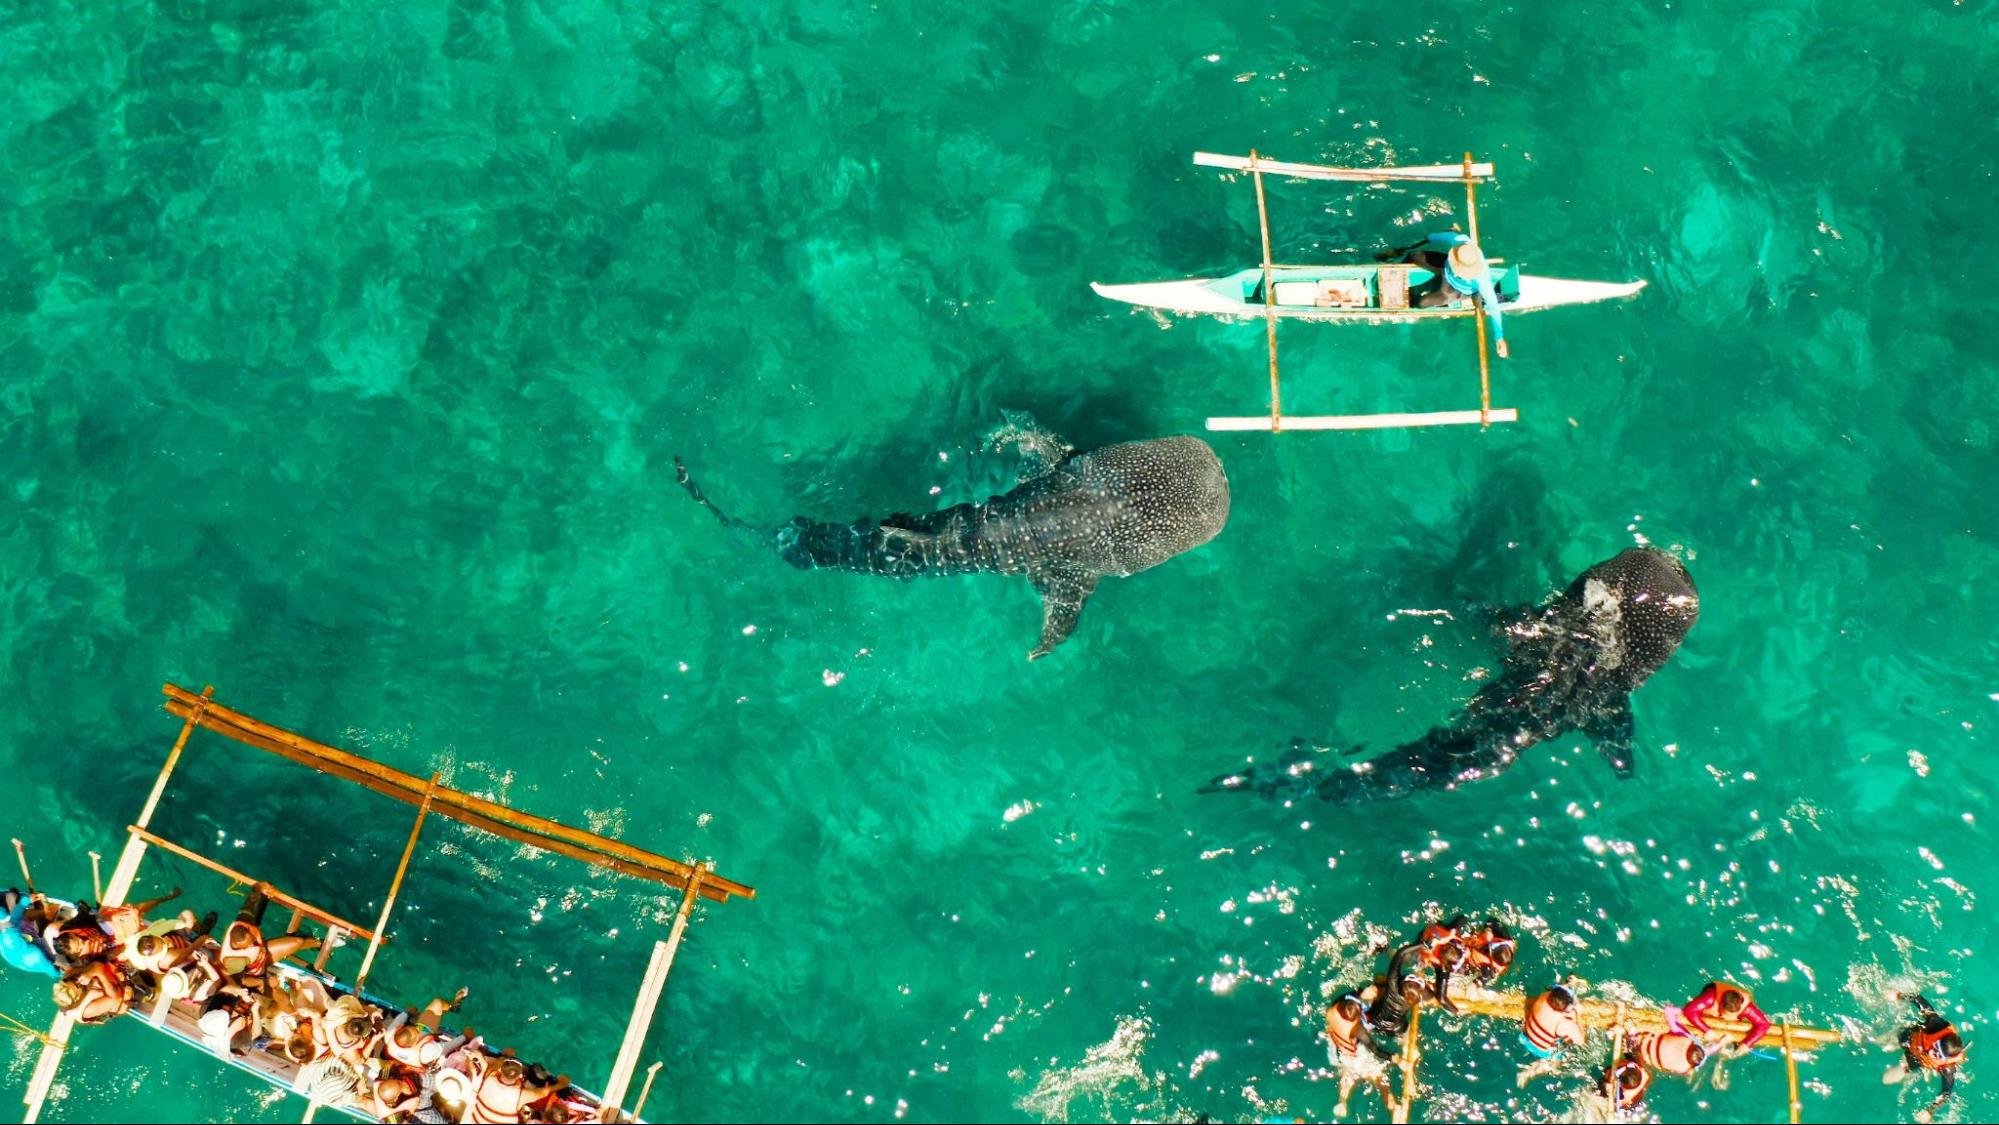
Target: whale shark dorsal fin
x,y
1615,731
1063,593
1040,449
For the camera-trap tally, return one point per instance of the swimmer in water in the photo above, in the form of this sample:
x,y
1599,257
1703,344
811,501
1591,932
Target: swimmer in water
x,y
1933,1045
1355,1052
1550,1021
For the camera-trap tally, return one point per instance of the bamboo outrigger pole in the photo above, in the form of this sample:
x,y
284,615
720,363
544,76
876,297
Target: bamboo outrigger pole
x,y
1791,1071
1478,314
649,990
1412,1053
521,827
395,885
1603,1015
1269,295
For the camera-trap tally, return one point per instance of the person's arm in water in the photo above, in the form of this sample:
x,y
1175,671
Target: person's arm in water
x,y
1923,1006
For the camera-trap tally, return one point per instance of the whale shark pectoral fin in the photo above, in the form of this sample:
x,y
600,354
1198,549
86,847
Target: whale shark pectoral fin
x,y
1040,449
1615,731
1063,593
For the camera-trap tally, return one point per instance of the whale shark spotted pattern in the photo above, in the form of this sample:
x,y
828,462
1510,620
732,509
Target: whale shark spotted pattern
x,y
1078,517
1570,665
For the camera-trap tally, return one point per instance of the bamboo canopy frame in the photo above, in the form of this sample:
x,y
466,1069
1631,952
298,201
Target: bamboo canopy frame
x,y
1611,1016
696,881
1470,173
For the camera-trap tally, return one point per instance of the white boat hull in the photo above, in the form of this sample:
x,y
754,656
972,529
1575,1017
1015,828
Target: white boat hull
x,y
1210,296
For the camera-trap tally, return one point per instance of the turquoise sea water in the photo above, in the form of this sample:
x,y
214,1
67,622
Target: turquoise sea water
x,y
344,349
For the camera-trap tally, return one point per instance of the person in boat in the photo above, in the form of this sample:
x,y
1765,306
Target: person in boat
x,y
1444,952
1551,1020
397,1093
1727,1001
1355,1052
19,944
348,1030
1931,1045
1458,271
246,954
95,993
128,920
1490,951
195,973
156,950
1626,1083
231,1020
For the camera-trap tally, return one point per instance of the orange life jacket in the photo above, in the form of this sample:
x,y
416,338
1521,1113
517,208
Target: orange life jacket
x,y
496,1101
243,950
1670,1052
1628,1097
1345,1033
1545,1025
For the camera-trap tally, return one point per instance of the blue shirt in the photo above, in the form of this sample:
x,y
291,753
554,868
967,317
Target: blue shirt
x,y
1443,242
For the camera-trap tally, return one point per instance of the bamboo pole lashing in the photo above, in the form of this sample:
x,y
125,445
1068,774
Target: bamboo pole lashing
x,y
449,802
395,886
282,897
1269,295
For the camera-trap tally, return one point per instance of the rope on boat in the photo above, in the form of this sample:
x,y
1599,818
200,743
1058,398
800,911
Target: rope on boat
x,y
9,1023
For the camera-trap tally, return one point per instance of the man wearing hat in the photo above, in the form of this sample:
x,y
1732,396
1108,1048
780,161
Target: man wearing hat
x,y
1461,271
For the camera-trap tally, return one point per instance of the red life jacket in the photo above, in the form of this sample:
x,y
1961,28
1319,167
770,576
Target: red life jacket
x,y
1926,1046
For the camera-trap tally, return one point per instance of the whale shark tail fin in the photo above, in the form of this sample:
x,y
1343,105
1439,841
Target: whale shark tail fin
x,y
1297,773
693,488
1062,596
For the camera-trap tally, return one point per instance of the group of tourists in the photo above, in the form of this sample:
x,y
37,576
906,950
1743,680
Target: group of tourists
x,y
346,1050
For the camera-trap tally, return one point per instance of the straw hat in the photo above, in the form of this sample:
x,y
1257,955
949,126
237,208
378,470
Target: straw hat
x,y
1468,261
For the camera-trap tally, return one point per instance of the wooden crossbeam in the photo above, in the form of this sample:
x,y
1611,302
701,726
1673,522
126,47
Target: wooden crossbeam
x,y
490,816
299,906
1366,421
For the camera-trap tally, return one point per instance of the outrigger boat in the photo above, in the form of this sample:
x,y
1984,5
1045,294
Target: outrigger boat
x,y
1360,293
178,1018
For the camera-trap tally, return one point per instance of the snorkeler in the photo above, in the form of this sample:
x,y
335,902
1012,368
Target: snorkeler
x,y
1932,1045
1443,951
1398,993
1625,1083
1359,1057
1490,951
1670,1052
1549,1022
1728,1001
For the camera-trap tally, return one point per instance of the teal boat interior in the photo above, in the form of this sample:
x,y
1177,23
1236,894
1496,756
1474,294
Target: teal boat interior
x,y
1349,286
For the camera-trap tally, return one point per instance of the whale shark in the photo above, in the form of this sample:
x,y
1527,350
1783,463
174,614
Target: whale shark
x,y
1072,519
1570,665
